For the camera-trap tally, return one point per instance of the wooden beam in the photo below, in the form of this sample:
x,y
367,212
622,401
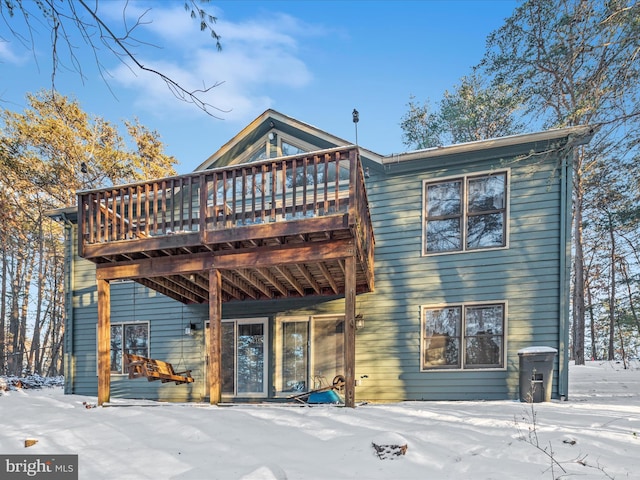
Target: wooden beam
x,y
255,282
350,332
327,275
202,292
309,277
197,262
291,279
177,288
215,336
149,283
156,266
285,255
104,341
273,280
240,283
198,280
232,292
145,244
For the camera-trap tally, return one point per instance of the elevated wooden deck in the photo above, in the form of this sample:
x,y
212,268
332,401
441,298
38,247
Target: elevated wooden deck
x,y
288,227
274,229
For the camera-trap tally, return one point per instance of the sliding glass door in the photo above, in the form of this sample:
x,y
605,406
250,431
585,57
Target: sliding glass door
x,y
309,352
244,357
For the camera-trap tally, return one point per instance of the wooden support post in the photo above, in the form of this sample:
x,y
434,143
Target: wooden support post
x,y
104,341
215,336
350,332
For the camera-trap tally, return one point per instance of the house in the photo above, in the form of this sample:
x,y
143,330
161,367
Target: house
x,y
291,257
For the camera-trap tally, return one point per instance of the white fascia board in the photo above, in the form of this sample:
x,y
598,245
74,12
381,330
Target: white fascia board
x,y
582,134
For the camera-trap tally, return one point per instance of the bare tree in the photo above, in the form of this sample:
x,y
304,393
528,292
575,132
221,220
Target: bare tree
x,y
72,20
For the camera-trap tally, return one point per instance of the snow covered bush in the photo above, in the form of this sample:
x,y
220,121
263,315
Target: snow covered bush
x,y
30,381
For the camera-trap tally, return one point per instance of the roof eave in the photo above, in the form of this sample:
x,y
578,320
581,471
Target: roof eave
x,y
579,135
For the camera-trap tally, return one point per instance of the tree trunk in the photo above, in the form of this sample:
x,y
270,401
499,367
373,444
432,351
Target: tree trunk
x,y
14,366
612,290
592,324
578,266
34,352
3,308
24,314
628,281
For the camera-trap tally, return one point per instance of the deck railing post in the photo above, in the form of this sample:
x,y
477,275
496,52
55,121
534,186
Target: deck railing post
x,y
202,207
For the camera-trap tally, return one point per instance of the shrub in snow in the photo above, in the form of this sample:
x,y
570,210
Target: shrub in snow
x,y
30,381
389,446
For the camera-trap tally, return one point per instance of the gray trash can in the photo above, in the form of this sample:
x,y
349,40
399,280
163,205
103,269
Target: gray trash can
x,y
536,373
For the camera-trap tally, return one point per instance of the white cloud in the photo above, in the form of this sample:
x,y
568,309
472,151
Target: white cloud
x,y
7,54
255,58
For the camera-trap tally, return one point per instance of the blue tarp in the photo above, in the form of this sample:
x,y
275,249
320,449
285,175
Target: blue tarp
x,y
330,396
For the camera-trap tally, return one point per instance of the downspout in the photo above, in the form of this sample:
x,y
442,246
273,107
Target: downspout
x,y
565,275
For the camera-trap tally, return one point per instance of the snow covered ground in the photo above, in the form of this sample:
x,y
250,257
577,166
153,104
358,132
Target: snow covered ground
x,y
595,434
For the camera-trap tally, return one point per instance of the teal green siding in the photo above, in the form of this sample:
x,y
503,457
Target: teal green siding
x,y
526,275
131,302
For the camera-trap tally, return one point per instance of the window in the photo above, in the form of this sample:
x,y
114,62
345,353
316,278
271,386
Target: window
x,y
467,213
463,337
130,338
260,154
289,149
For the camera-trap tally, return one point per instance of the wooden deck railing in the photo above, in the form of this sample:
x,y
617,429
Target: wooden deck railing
x,y
292,188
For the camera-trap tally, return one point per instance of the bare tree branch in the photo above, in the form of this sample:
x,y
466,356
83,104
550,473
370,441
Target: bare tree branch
x,y
59,16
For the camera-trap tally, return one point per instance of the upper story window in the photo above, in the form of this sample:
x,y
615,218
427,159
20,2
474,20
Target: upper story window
x,y
260,154
288,149
465,213
274,147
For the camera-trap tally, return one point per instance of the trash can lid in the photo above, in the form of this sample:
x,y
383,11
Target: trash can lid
x,y
534,350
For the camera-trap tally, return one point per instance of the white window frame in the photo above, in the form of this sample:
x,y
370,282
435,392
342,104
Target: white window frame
x,y
265,144
463,306
278,354
265,367
464,179
294,142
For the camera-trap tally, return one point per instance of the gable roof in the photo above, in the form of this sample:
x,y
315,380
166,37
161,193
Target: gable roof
x,y
272,120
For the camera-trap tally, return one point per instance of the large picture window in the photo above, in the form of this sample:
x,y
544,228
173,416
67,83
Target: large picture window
x,y
466,213
130,338
463,336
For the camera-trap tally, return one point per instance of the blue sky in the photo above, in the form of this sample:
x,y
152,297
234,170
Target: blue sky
x,y
313,60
